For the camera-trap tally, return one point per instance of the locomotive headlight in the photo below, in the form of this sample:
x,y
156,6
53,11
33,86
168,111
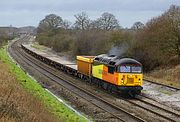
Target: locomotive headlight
x,y
122,80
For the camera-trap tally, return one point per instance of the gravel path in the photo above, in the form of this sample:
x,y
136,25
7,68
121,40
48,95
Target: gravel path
x,y
165,95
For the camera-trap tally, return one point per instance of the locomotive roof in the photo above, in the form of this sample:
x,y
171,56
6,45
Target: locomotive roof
x,y
115,60
127,61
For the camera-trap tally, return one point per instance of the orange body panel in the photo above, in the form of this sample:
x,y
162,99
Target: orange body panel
x,y
84,67
112,78
84,64
107,76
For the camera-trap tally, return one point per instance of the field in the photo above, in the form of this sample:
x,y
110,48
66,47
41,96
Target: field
x,y
23,99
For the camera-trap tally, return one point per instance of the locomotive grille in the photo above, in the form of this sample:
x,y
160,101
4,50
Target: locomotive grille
x,y
130,80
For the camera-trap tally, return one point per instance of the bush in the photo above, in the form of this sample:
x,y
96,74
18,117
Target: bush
x,y
157,43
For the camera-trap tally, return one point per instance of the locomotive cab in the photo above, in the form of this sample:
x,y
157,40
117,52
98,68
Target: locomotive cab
x,y
130,75
125,74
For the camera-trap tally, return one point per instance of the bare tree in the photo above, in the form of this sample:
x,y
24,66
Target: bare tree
x,y
66,24
95,24
173,17
160,39
137,26
82,21
50,22
107,21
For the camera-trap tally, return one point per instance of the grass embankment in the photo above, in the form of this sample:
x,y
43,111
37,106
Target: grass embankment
x,y
169,76
23,99
37,46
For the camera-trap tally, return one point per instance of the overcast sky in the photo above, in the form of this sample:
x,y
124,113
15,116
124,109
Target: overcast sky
x,y
30,12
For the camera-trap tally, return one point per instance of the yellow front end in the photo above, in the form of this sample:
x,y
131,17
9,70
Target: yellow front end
x,y
130,79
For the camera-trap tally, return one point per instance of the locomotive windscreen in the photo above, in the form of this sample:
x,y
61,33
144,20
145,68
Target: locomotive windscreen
x,y
129,69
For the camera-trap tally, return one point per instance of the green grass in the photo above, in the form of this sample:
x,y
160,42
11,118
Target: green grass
x,y
165,92
37,46
33,87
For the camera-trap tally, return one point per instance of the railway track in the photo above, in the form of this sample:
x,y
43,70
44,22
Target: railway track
x,y
168,86
156,108
113,109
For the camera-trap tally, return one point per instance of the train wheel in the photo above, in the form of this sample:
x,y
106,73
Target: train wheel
x,y
90,80
132,94
105,86
138,92
110,88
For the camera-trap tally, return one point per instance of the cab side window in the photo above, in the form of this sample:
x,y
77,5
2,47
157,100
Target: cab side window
x,y
111,69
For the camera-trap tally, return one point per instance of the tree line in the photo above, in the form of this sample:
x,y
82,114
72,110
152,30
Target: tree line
x,y
4,36
155,43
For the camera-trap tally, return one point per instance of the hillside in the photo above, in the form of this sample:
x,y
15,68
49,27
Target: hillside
x,y
20,96
168,76
16,104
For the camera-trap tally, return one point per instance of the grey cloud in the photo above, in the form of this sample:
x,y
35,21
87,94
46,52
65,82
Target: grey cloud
x,y
70,5
26,12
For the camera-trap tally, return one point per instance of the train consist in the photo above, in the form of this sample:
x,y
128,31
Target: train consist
x,y
114,74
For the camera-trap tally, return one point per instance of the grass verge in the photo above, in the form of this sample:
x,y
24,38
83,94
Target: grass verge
x,y
33,87
169,76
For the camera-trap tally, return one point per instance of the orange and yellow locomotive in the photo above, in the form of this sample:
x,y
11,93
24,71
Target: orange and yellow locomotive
x,y
112,73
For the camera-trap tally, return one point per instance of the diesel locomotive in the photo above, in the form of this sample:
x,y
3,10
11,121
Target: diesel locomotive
x,y
112,73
